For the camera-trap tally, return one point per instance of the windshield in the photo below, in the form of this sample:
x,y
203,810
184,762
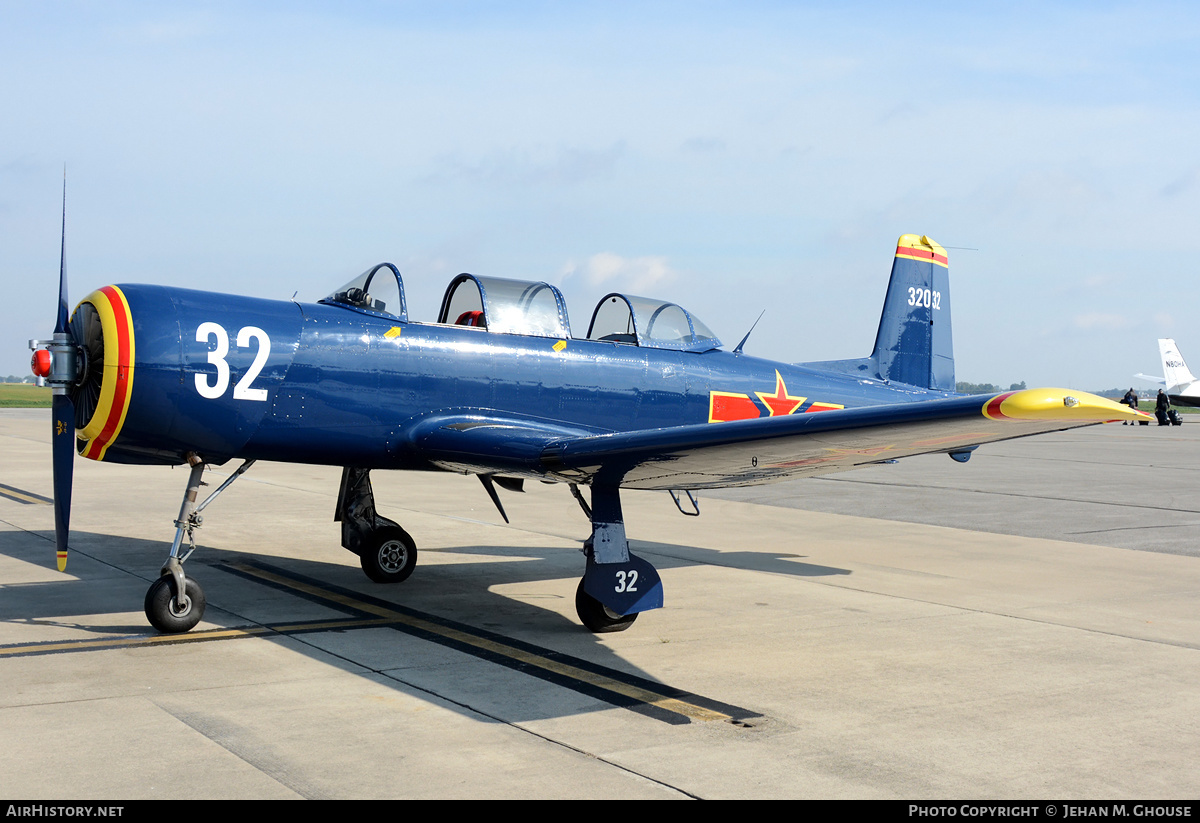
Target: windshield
x,y
378,290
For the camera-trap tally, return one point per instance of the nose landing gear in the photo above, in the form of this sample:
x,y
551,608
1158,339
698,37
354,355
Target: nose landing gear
x,y
175,603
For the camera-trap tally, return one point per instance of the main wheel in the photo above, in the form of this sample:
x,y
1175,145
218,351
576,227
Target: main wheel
x,y
389,555
598,617
165,615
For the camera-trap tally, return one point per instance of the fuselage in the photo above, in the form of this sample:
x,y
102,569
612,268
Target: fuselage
x,y
225,376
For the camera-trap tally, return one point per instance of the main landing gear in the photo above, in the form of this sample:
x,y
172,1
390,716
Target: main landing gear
x,y
617,585
386,552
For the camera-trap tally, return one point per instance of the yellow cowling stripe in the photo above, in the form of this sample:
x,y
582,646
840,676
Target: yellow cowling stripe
x,y
116,387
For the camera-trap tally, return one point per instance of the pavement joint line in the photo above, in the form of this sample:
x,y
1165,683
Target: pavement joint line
x,y
934,487
968,610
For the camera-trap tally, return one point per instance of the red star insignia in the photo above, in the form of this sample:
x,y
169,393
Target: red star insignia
x,y
781,402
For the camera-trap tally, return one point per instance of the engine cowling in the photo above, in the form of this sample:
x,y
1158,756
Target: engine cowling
x,y
161,372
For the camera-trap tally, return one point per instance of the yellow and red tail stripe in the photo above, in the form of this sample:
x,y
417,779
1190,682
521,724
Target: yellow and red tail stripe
x,y
116,388
920,247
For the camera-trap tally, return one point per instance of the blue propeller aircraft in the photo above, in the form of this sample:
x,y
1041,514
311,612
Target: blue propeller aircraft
x,y
499,387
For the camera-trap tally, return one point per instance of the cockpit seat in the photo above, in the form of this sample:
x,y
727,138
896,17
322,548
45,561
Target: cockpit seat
x,y
470,318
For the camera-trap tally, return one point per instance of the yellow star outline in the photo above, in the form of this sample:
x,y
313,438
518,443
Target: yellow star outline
x,y
781,402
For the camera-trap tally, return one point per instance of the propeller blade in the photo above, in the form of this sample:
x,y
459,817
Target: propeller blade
x,y
63,319
63,445
63,408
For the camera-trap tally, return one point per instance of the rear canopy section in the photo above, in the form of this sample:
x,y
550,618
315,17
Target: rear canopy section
x,y
656,324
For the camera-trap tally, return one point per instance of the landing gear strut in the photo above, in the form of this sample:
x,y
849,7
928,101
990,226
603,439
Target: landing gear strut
x,y
175,603
386,552
617,584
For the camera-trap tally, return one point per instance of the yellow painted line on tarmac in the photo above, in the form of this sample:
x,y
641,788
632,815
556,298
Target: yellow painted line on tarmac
x,y
187,637
22,496
119,642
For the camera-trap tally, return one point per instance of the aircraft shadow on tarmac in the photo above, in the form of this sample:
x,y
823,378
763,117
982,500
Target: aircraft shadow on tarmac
x,y
442,617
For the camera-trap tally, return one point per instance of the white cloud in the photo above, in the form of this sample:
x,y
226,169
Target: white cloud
x,y
637,275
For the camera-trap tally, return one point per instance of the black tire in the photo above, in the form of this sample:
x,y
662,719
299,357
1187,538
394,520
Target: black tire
x,y
597,617
389,555
162,612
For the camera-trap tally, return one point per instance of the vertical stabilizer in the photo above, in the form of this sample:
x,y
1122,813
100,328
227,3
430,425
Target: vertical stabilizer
x,y
1174,369
914,343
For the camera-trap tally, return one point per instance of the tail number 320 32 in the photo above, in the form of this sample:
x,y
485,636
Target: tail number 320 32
x,y
212,386
928,298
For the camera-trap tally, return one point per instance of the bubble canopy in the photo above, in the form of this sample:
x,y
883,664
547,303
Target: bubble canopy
x,y
644,321
506,306
533,308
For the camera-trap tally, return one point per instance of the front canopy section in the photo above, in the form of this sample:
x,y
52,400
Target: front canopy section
x,y
379,291
506,306
656,324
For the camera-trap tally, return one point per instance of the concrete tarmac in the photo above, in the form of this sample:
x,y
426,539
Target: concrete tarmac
x,y
1132,487
1022,626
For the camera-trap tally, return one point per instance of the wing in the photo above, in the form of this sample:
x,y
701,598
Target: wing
x,y
750,452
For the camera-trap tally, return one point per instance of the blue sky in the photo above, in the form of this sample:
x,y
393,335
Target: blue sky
x,y
732,157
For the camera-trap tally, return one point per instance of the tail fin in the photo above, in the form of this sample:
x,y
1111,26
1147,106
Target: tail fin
x,y
914,343
1174,369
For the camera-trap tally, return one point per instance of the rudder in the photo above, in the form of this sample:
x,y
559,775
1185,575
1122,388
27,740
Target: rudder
x,y
1175,370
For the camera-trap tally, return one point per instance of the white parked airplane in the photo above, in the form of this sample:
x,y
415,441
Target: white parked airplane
x,y
1182,386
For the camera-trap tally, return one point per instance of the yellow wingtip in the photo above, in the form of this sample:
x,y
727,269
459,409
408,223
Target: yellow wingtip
x,y
1057,404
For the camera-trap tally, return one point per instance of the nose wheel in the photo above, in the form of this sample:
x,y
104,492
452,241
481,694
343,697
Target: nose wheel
x,y
168,612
